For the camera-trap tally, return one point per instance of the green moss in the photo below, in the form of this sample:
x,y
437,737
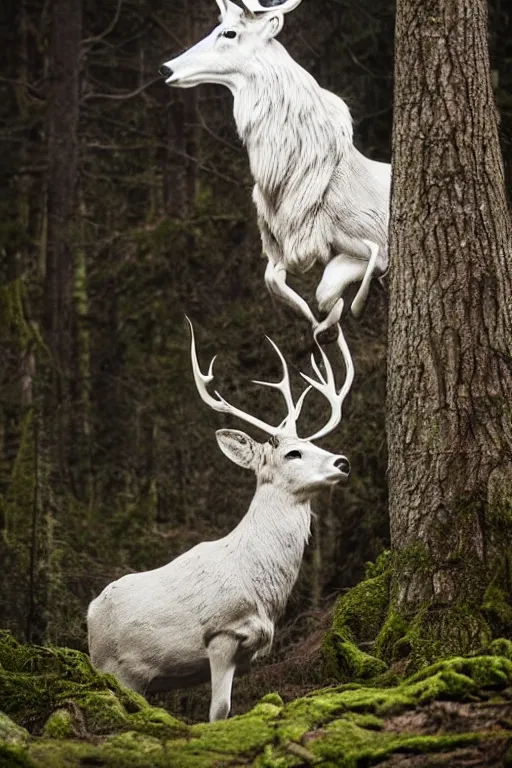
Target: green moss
x,y
343,726
433,633
244,733
14,741
10,733
496,605
500,647
480,673
59,725
156,722
12,316
272,698
381,565
411,638
358,617
19,500
37,682
393,629
345,661
103,712
347,746
498,513
14,757
129,750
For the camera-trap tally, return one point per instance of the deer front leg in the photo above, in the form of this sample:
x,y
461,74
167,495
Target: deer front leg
x,y
222,651
275,279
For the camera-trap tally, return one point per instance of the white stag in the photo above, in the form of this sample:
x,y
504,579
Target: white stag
x,y
318,199
213,609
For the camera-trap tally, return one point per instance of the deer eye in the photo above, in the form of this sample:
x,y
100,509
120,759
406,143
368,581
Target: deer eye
x,y
229,33
293,455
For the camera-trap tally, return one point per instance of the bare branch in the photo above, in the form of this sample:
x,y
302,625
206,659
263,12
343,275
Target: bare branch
x,y
91,40
168,31
121,96
216,136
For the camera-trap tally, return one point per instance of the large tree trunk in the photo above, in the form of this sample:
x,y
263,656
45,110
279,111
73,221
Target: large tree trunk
x,y
450,331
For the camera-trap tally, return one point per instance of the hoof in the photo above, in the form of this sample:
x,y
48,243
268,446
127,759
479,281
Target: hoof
x,y
328,336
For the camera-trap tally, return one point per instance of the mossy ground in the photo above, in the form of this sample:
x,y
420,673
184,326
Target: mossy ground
x,y
58,711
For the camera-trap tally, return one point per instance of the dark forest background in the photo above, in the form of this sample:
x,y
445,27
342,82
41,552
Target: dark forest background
x,y
124,205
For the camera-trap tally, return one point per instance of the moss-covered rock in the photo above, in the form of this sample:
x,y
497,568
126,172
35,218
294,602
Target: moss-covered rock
x,y
13,744
457,708
59,725
57,691
10,733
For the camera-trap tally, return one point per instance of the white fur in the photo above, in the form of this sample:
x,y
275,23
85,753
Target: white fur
x,y
213,609
317,197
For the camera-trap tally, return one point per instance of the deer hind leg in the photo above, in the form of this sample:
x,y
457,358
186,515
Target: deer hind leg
x,y
275,279
222,651
362,294
130,671
339,273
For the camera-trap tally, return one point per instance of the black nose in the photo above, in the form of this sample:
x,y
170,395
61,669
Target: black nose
x,y
165,71
343,465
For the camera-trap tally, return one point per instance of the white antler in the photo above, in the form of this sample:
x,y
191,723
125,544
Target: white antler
x,y
288,426
223,7
326,386
260,6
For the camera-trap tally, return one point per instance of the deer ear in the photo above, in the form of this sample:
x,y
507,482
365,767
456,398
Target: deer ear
x,y
273,24
238,447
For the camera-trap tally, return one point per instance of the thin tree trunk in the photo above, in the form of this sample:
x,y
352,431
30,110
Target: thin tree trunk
x,y
82,368
450,330
62,120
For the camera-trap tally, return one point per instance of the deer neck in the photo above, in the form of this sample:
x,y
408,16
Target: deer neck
x,y
271,540
272,85
284,116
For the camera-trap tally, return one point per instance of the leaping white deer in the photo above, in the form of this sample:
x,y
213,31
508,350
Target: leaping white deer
x,y
213,609
318,198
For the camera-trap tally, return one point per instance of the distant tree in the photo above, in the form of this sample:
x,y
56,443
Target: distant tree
x,y
62,125
450,339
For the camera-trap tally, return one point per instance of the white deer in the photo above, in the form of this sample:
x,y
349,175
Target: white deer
x,y
318,199
213,608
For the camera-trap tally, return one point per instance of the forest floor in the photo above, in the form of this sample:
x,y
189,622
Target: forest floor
x,y
58,711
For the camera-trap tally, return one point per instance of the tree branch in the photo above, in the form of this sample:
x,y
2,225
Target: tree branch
x,y
91,40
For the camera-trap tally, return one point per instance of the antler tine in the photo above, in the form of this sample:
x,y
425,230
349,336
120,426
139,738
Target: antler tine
x,y
327,386
254,6
218,403
300,401
289,423
248,9
287,6
223,7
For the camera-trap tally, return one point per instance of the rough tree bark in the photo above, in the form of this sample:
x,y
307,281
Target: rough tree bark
x,y
450,339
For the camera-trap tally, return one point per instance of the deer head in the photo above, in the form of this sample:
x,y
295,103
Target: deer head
x,y
286,460
222,56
